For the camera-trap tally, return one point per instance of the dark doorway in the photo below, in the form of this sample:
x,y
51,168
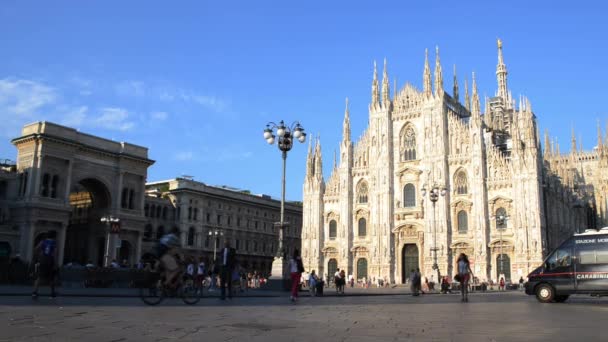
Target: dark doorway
x,y
332,267
503,267
362,268
409,260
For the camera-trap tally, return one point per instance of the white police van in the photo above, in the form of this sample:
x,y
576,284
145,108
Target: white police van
x,y
578,266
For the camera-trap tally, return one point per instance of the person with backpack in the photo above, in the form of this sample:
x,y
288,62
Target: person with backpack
x,y
296,267
45,269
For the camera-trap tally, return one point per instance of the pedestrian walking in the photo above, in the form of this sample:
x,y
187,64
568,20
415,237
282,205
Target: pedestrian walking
x,y
296,267
501,284
44,266
464,275
312,283
521,283
227,257
413,283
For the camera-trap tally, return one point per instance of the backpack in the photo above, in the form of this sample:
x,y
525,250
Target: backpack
x,y
300,265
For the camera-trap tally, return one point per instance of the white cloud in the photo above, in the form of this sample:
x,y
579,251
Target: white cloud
x,y
24,97
114,118
131,88
75,117
184,156
160,116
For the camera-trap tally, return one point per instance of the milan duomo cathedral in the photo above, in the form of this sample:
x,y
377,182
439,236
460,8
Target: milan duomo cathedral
x,y
432,177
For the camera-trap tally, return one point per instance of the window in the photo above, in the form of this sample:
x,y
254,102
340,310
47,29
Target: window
x,y
237,244
463,224
164,213
189,213
191,236
461,183
362,193
593,257
146,209
362,227
44,191
158,210
148,231
255,224
195,215
501,218
132,199
238,221
409,196
219,219
333,229
408,144
124,199
207,241
255,246
560,258
228,220
54,186
208,217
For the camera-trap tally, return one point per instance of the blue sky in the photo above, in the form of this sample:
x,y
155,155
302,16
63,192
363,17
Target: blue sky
x,y
196,81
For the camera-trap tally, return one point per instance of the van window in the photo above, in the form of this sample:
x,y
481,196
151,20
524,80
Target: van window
x,y
560,258
593,257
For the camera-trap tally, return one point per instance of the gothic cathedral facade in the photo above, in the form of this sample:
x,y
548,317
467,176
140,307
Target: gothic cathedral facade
x,y
432,177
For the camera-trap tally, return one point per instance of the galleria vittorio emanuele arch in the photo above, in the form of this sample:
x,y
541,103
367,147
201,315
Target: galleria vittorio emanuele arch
x,y
433,176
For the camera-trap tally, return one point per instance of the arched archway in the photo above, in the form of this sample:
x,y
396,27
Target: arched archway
x,y
125,252
90,199
409,260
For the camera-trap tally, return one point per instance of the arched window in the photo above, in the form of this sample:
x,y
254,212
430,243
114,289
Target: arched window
x,y
362,193
408,144
461,183
191,236
333,229
362,227
409,195
160,231
501,218
463,224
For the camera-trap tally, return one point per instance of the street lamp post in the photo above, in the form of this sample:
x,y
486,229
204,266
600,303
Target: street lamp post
x,y
285,135
215,233
112,229
434,194
500,226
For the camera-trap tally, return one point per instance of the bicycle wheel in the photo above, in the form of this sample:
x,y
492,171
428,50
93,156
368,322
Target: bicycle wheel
x,y
152,294
189,292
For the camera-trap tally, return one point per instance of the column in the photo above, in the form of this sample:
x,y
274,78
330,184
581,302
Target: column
x,y
61,233
138,247
68,182
33,182
26,242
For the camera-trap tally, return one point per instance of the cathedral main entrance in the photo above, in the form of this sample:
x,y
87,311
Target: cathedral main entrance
x,y
409,260
503,267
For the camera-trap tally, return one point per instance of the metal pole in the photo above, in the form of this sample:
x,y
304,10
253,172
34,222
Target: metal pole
x,y
214,245
108,244
281,252
435,244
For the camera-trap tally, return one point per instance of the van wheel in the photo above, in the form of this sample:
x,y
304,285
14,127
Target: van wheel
x,y
545,293
561,299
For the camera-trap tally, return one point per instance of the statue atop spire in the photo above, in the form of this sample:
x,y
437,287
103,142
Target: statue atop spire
x,y
548,148
455,92
573,142
438,74
427,86
501,73
600,145
375,87
386,92
318,159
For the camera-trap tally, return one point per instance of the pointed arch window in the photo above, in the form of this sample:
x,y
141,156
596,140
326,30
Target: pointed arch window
x,y
409,195
333,229
362,227
408,144
463,222
362,193
461,183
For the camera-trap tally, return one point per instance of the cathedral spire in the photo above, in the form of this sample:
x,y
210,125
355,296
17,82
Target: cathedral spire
x,y
438,74
427,86
310,164
455,92
386,92
475,110
318,159
346,124
600,145
501,73
548,148
375,88
335,160
573,142
467,100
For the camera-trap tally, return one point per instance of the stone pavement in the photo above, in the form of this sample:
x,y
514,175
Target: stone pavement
x,y
510,316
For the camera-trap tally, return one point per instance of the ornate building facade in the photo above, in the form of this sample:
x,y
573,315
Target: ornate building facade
x,y
499,198
66,181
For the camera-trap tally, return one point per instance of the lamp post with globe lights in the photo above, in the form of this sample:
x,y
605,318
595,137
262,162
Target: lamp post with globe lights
x,y
284,135
112,231
434,194
215,234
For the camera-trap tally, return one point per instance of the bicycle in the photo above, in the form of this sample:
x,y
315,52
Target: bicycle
x,y
154,289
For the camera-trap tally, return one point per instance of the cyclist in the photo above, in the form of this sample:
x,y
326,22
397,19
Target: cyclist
x,y
170,267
